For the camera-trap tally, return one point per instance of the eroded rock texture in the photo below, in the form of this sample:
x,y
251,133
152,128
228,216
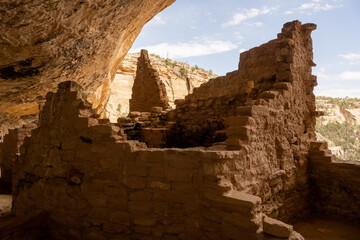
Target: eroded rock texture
x,y
45,42
96,184
148,90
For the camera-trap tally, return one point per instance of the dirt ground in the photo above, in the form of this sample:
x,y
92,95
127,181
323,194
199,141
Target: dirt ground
x,y
5,205
328,228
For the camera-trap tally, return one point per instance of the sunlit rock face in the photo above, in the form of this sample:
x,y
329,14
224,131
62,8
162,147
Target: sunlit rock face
x,y
48,41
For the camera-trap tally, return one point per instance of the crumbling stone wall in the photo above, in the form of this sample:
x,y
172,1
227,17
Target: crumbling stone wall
x,y
203,114
81,169
148,90
335,184
10,149
269,116
95,185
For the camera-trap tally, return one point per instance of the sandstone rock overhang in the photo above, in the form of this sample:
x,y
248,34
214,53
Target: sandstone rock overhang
x,y
79,168
46,42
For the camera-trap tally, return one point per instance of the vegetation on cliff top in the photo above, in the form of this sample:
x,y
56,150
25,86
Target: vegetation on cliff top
x,y
343,133
183,67
349,103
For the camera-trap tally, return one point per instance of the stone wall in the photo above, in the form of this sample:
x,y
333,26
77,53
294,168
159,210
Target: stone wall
x,y
10,149
178,84
334,183
267,108
148,90
95,185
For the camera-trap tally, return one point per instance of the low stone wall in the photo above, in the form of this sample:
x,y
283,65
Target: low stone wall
x,y
335,184
95,185
10,149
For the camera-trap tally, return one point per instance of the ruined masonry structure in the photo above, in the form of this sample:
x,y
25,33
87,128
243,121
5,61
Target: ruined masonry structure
x,y
148,90
10,150
248,159
95,185
267,110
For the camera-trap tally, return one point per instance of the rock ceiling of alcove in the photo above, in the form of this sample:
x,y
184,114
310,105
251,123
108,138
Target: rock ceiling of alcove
x,y
49,41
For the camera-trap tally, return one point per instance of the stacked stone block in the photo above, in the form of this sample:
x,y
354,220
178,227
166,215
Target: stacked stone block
x,y
148,90
10,150
334,183
268,111
95,185
86,171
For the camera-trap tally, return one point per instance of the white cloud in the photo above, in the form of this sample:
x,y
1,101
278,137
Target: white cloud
x,y
354,92
350,75
189,49
246,14
255,24
313,7
352,58
344,76
320,73
307,5
239,38
157,20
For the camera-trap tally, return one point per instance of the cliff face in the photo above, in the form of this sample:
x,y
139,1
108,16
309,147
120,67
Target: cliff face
x,y
48,41
340,126
179,78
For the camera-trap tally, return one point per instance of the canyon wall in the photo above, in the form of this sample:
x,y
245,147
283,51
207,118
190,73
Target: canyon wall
x,y
45,42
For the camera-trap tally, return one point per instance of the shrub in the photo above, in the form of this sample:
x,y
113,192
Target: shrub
x,y
183,72
167,61
342,102
154,55
345,134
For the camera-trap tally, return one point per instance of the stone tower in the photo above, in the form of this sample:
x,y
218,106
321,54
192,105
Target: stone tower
x,y
148,90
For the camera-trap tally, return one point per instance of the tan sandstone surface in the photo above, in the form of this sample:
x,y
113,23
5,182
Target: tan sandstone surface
x,y
45,42
236,159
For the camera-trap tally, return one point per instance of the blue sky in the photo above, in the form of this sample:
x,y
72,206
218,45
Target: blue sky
x,y
212,33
